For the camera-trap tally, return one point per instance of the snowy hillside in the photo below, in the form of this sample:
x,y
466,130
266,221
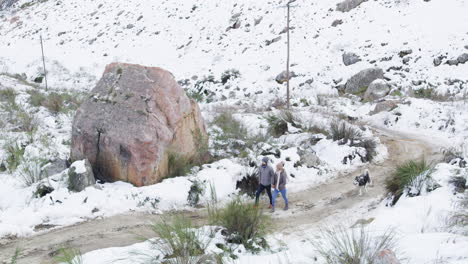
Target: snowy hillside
x,y
226,55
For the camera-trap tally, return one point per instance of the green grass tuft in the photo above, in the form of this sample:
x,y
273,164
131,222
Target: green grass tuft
x,y
404,176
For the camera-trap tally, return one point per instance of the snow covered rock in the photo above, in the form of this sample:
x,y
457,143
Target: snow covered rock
x,y
348,5
283,77
359,82
309,158
136,117
387,256
376,90
463,58
350,58
80,175
4,4
384,106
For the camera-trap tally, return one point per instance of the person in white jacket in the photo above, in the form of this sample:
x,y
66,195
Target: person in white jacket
x,y
279,185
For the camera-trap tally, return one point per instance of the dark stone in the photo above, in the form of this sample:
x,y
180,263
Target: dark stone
x,y
463,58
78,179
359,82
337,22
348,5
350,58
405,52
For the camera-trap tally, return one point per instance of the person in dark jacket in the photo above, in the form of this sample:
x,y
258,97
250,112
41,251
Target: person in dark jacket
x,y
265,178
279,185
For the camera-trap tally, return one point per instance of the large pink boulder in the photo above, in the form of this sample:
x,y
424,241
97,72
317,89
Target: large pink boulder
x,y
134,119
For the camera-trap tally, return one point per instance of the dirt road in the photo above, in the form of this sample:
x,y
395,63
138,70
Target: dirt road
x,y
308,207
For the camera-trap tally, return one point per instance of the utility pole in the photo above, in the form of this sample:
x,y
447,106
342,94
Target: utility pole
x,y
288,5
43,64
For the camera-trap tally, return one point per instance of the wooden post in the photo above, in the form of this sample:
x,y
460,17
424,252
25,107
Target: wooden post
x,y
43,64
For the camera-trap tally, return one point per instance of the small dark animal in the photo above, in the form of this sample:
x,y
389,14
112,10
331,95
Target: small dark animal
x,y
362,181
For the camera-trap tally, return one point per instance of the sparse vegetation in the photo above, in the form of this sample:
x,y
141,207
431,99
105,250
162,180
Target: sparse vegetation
x,y
370,146
14,258
245,223
8,95
233,137
405,176
338,245
55,102
278,124
180,243
14,155
69,256
178,165
31,171
231,127
430,93
340,130
316,129
230,74
460,216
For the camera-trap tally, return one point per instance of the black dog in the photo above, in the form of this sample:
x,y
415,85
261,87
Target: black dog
x,y
362,181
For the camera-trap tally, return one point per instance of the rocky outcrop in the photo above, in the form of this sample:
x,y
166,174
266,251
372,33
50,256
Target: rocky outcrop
x,y
283,77
80,175
5,4
136,118
376,90
308,158
348,5
350,58
359,82
462,58
384,106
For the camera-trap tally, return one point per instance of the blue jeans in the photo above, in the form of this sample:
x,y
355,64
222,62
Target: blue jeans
x,y
283,193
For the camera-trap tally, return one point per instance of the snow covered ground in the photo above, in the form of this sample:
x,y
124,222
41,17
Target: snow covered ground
x,y
421,226
196,39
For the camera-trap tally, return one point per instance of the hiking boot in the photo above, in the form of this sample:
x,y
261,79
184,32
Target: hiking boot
x,y
272,210
286,207
270,206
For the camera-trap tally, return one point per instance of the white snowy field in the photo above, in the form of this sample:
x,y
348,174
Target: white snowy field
x,y
421,226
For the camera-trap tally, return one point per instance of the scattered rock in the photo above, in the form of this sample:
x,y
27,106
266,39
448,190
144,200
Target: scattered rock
x,y
376,90
416,82
258,20
136,117
130,26
350,58
55,167
387,256
384,106
337,22
406,60
437,61
348,5
5,4
459,183
269,42
283,77
405,52
358,83
80,175
452,62
309,158
463,58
